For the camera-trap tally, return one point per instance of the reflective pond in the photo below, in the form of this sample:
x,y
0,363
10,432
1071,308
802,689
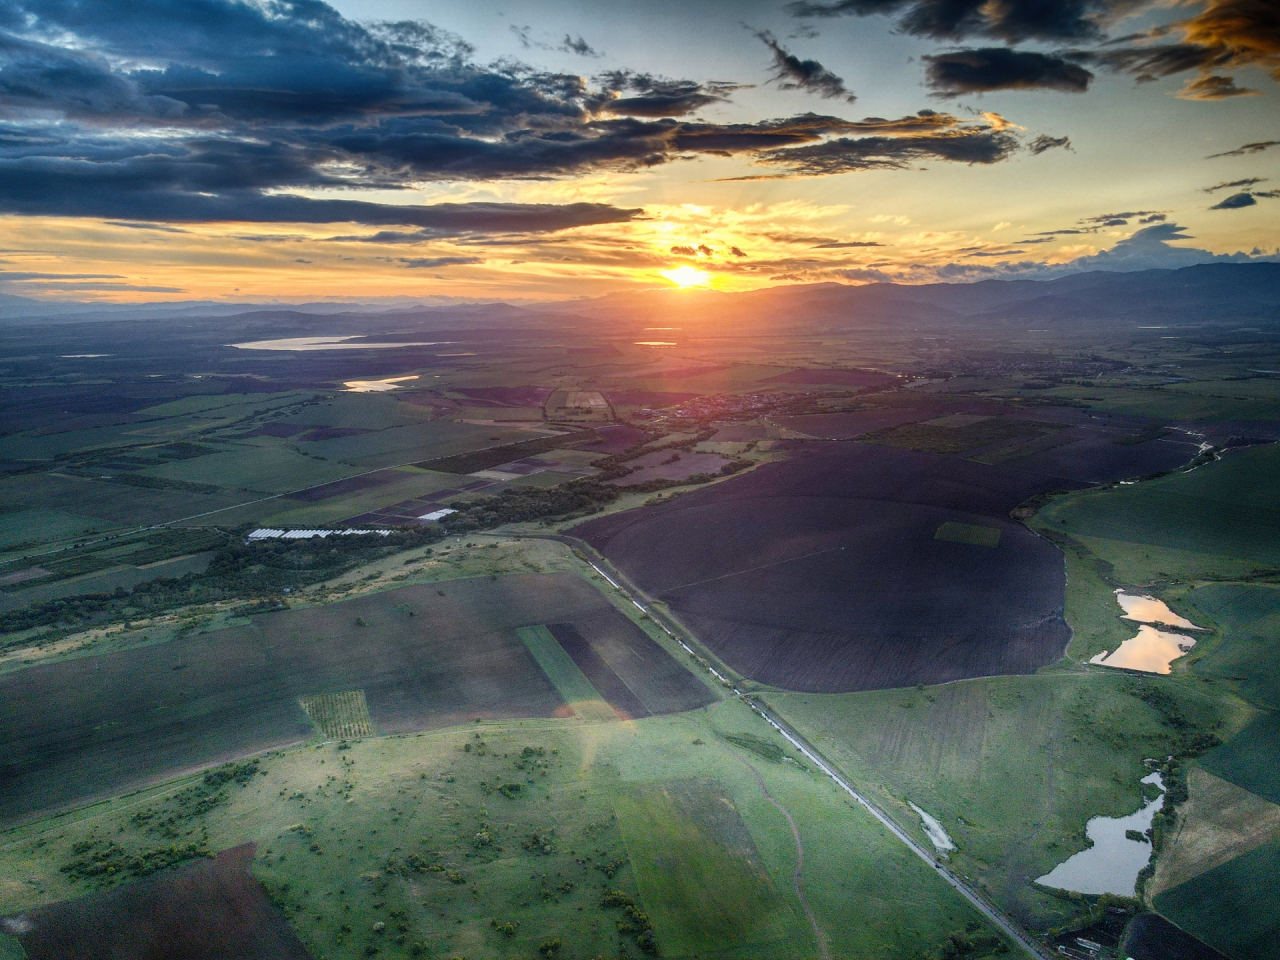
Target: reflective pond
x,y
1112,863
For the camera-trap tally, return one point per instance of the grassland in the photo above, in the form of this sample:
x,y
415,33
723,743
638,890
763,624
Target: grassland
x,y
493,840
1012,767
1217,521
1247,615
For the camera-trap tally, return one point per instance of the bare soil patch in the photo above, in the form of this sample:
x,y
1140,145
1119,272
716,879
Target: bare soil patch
x,y
209,910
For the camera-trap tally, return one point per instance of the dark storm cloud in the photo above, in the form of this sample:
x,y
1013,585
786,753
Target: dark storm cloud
x,y
1008,20
1117,219
655,97
1045,142
1247,149
1244,199
579,46
166,111
1235,202
569,44
157,227
845,155
998,68
1095,224
1224,34
1230,184
792,73
1213,87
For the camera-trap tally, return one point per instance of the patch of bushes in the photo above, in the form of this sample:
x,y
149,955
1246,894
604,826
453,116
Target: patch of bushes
x,y
106,860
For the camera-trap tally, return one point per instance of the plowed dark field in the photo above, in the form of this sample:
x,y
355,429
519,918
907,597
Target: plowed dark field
x,y
99,725
209,910
633,673
825,573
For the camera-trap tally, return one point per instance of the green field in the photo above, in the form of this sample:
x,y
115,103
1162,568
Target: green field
x,y
493,839
1182,525
261,469
1012,767
1250,759
37,526
1167,403
699,871
1232,907
968,533
1248,616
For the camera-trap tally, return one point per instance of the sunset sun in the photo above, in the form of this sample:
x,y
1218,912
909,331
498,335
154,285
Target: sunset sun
x,y
686,276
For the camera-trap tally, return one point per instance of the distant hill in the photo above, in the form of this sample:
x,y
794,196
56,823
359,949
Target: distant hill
x,y
1208,294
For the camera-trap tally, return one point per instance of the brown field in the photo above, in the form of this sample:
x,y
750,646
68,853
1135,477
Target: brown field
x,y
208,910
616,693
660,683
99,725
1219,822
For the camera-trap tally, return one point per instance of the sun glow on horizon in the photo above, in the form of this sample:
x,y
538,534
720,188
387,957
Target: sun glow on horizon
x,y
687,276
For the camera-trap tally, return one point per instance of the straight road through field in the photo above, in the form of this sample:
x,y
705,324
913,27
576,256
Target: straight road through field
x,y
1004,923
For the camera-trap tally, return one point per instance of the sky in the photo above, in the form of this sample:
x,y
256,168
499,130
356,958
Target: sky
x,y
267,149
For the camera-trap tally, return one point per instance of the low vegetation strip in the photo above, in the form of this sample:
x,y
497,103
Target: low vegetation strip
x,y
339,716
970,434
570,682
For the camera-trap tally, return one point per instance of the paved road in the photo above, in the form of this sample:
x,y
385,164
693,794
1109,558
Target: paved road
x,y
1006,924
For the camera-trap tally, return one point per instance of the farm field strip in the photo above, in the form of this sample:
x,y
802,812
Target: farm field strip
x,y
571,683
1006,924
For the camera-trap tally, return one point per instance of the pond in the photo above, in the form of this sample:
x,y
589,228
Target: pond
x,y
1112,863
375,386
934,831
329,343
1151,651
1150,610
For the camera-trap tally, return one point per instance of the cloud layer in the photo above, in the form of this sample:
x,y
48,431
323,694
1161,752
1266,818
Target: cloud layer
x,y
284,110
